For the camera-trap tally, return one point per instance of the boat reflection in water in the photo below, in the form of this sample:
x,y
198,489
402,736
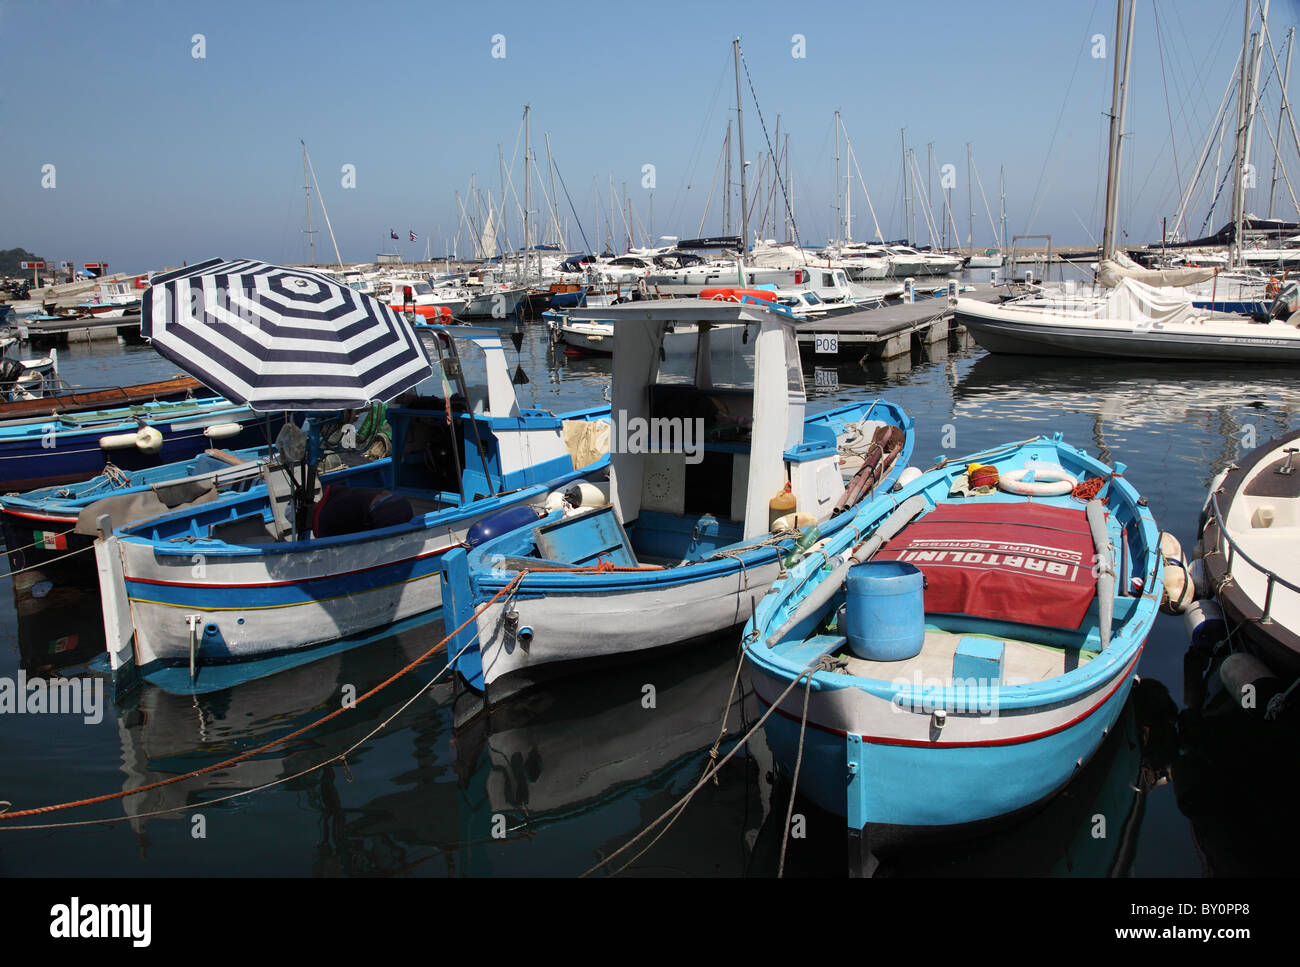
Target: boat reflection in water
x,y
1125,394
164,735
580,767
1236,779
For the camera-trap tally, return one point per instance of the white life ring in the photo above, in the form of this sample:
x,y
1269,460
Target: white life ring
x,y
1047,482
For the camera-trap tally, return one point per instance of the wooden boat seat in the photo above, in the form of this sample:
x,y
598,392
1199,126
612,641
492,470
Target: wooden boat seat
x,y
1023,661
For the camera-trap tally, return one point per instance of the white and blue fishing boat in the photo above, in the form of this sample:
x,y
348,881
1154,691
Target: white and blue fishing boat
x,y
958,653
715,473
237,588
46,529
59,448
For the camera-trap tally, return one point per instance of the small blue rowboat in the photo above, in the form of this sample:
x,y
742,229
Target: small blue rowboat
x,y
961,652
70,447
45,528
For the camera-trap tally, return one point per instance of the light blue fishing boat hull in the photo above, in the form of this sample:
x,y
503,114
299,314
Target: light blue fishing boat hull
x,y
912,749
903,792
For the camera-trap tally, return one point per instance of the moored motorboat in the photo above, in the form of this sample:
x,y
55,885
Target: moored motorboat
x,y
1248,564
957,654
695,524
1131,320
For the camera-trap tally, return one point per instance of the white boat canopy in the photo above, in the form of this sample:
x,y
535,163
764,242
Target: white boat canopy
x,y
737,359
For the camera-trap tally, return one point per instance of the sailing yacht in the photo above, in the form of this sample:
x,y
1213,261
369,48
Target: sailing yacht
x,y
1135,312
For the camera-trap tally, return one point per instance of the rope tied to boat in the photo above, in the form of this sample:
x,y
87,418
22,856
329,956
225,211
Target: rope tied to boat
x,y
1086,490
227,763
40,564
675,811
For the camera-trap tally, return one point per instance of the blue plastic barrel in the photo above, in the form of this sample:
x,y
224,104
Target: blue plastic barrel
x,y
494,525
885,611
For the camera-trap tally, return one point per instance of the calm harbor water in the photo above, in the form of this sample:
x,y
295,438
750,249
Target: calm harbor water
x,y
560,779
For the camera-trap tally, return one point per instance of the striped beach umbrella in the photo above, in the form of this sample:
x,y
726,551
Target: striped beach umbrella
x,y
279,338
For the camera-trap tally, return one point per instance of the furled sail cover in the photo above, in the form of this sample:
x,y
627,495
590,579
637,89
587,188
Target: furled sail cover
x,y
1110,272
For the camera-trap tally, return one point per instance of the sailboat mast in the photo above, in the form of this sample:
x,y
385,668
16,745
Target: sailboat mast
x,y
306,190
789,185
1108,221
1281,114
970,205
528,193
1239,149
839,214
907,184
848,187
324,211
740,141
1002,180
726,180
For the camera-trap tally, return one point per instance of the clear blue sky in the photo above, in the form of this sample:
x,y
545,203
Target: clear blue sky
x,y
162,157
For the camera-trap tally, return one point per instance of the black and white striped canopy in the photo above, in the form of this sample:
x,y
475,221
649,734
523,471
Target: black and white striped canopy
x,y
277,338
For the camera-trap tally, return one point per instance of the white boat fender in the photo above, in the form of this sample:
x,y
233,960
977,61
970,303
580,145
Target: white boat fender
x,y
1169,546
1205,625
793,522
148,439
1105,568
1248,681
1042,482
554,501
584,493
1179,591
117,441
1200,579
222,431
907,476
829,584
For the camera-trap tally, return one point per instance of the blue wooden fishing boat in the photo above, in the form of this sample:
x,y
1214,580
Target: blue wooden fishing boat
x,y
715,474
956,655
45,529
41,525
59,448
252,583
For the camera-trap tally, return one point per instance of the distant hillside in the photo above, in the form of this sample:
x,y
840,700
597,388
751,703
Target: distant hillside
x,y
10,257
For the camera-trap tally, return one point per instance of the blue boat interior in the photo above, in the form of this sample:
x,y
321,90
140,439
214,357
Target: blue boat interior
x,y
952,649
457,440
697,456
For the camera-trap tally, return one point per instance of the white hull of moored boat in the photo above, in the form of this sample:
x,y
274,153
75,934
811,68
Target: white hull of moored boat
x,y
609,623
1025,331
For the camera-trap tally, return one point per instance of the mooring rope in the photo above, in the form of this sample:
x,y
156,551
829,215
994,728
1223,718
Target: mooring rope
x,y
40,564
676,810
41,810
15,550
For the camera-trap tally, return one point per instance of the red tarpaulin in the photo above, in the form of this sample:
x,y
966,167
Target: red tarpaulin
x,y
1022,562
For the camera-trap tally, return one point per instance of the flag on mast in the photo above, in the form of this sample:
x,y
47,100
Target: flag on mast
x,y
412,234
392,234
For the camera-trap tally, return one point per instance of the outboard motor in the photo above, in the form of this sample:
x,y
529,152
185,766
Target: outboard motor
x,y
10,370
1286,303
